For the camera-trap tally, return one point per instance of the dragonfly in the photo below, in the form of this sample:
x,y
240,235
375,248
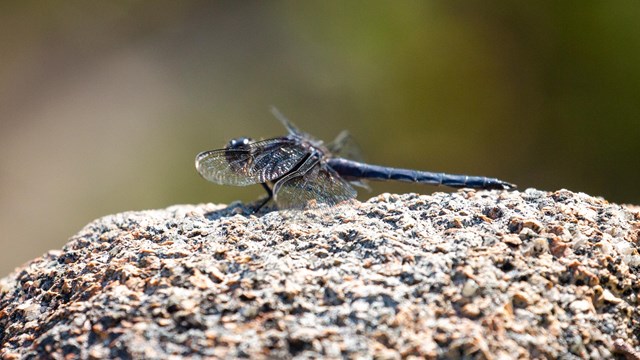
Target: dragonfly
x,y
298,169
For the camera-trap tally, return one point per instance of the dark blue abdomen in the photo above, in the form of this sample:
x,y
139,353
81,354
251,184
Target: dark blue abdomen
x,y
354,169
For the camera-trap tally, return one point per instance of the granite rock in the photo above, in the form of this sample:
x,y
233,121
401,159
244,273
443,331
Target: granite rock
x,y
472,274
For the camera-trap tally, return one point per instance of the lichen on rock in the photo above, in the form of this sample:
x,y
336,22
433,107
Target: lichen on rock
x,y
472,274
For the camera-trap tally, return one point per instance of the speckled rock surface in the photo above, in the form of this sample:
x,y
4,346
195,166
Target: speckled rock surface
x,y
465,275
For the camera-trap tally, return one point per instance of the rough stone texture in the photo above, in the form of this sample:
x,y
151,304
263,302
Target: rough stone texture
x,y
465,275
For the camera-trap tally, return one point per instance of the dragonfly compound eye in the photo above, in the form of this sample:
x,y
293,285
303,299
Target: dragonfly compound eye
x,y
239,143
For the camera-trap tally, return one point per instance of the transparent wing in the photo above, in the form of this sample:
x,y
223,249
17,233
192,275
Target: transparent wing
x,y
320,183
345,146
292,129
255,163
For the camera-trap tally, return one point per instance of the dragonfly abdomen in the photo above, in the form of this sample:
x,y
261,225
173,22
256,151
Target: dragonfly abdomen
x,y
354,169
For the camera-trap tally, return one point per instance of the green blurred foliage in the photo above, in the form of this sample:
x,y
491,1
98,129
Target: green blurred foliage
x,y
103,105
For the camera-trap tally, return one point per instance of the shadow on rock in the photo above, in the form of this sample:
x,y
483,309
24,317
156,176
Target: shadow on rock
x,y
239,208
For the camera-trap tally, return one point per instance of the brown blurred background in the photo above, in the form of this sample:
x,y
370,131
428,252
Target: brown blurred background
x,y
103,105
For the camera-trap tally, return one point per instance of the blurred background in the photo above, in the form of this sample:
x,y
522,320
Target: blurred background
x,y
104,105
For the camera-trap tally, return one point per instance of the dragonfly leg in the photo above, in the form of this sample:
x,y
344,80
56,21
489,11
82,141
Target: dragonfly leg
x,y
269,197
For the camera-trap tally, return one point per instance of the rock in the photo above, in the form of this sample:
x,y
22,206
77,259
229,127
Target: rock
x,y
463,275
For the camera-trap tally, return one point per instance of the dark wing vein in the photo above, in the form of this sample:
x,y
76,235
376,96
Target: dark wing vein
x,y
255,163
320,183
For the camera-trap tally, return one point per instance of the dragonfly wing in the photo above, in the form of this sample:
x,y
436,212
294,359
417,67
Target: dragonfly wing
x,y
292,129
254,163
345,146
320,183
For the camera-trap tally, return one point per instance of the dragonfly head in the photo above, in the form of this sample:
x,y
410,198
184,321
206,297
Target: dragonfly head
x,y
239,143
